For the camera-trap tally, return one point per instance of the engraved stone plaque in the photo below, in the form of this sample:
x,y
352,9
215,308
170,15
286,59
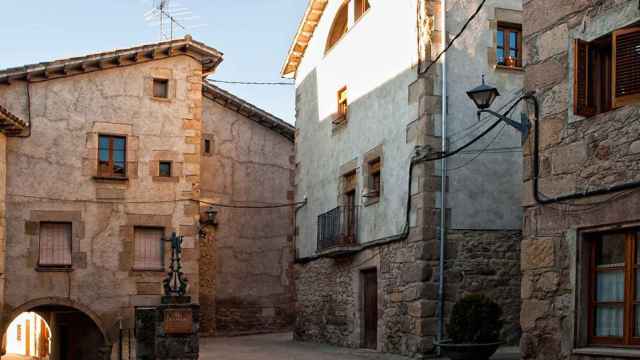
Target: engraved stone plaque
x,y
148,288
178,321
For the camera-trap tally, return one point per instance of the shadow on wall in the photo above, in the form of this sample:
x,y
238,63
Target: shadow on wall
x,y
397,115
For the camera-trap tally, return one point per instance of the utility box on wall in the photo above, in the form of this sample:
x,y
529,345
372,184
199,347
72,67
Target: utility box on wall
x,y
168,331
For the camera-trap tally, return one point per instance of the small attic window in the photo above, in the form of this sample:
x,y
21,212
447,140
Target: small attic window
x,y
161,88
339,27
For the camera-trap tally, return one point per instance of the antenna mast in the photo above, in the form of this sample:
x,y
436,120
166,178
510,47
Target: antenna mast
x,y
169,15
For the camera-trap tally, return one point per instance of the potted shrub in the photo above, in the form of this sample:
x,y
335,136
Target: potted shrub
x,y
473,329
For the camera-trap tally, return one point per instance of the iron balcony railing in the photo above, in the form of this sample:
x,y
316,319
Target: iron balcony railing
x,y
338,228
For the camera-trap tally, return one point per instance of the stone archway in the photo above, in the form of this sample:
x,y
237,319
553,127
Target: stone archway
x,y
78,333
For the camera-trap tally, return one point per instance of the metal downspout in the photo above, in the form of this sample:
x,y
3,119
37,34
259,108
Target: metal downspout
x,y
443,179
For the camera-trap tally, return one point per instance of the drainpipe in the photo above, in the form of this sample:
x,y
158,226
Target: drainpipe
x,y
443,179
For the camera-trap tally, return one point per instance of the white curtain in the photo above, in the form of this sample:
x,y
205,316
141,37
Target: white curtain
x,y
610,319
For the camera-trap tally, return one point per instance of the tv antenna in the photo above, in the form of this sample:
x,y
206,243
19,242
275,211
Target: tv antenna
x,y
170,16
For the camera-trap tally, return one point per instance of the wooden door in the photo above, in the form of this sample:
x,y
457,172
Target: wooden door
x,y
370,308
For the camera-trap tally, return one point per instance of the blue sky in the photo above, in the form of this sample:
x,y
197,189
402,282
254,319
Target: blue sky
x,y
254,35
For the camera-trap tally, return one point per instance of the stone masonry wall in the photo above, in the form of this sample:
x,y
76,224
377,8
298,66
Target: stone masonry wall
x,y
576,155
328,299
51,176
249,287
487,262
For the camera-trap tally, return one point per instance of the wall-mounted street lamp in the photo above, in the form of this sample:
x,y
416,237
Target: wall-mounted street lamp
x,y
212,216
211,219
484,96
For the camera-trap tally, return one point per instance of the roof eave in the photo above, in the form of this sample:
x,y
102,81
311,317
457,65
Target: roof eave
x,y
307,27
209,57
248,110
10,124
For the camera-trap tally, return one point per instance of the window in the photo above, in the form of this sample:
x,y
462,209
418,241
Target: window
x,y
19,332
164,169
207,146
55,244
361,7
148,248
375,180
339,27
509,45
112,157
343,105
607,72
614,288
350,205
161,88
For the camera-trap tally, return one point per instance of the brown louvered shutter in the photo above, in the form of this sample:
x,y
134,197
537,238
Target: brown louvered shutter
x,y
626,66
582,99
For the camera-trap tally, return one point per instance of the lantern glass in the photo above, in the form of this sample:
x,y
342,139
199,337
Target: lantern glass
x,y
483,96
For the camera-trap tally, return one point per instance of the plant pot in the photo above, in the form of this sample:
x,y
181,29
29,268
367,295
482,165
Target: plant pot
x,y
510,61
468,351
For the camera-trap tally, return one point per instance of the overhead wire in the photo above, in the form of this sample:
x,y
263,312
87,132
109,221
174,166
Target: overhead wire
x,y
463,133
116,201
462,30
483,151
277,83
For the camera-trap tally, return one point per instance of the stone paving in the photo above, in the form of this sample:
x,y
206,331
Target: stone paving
x,y
282,347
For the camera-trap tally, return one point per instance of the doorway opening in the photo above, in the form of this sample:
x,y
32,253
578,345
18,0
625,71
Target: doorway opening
x,y
370,308
27,337
53,332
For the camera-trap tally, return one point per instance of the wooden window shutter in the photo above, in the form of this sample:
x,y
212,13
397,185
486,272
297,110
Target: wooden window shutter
x,y
55,244
339,27
148,249
626,66
582,99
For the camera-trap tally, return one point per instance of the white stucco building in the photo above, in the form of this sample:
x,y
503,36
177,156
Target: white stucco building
x,y
368,240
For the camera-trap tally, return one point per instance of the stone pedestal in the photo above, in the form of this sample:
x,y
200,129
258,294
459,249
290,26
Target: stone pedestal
x,y
168,331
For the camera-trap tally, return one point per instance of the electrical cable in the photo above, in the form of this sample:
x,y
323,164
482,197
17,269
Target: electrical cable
x,y
272,206
97,201
452,140
483,151
441,155
251,82
462,30
475,139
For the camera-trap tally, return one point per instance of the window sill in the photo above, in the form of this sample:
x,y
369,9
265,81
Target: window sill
x,y
339,120
161,99
138,270
510,68
338,124
170,179
609,352
111,178
53,269
371,199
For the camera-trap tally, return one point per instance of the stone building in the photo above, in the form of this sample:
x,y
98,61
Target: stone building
x,y
369,110
580,236
104,156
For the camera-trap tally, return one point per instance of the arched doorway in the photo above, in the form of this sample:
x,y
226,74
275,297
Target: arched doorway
x,y
72,333
27,337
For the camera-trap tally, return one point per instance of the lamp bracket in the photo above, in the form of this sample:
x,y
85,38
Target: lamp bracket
x,y
523,126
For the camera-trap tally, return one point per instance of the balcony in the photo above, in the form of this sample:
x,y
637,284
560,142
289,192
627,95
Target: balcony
x,y
338,231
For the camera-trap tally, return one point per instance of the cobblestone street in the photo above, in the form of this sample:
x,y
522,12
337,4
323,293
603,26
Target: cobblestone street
x,y
282,347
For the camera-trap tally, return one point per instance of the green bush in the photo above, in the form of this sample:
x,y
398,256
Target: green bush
x,y
475,319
